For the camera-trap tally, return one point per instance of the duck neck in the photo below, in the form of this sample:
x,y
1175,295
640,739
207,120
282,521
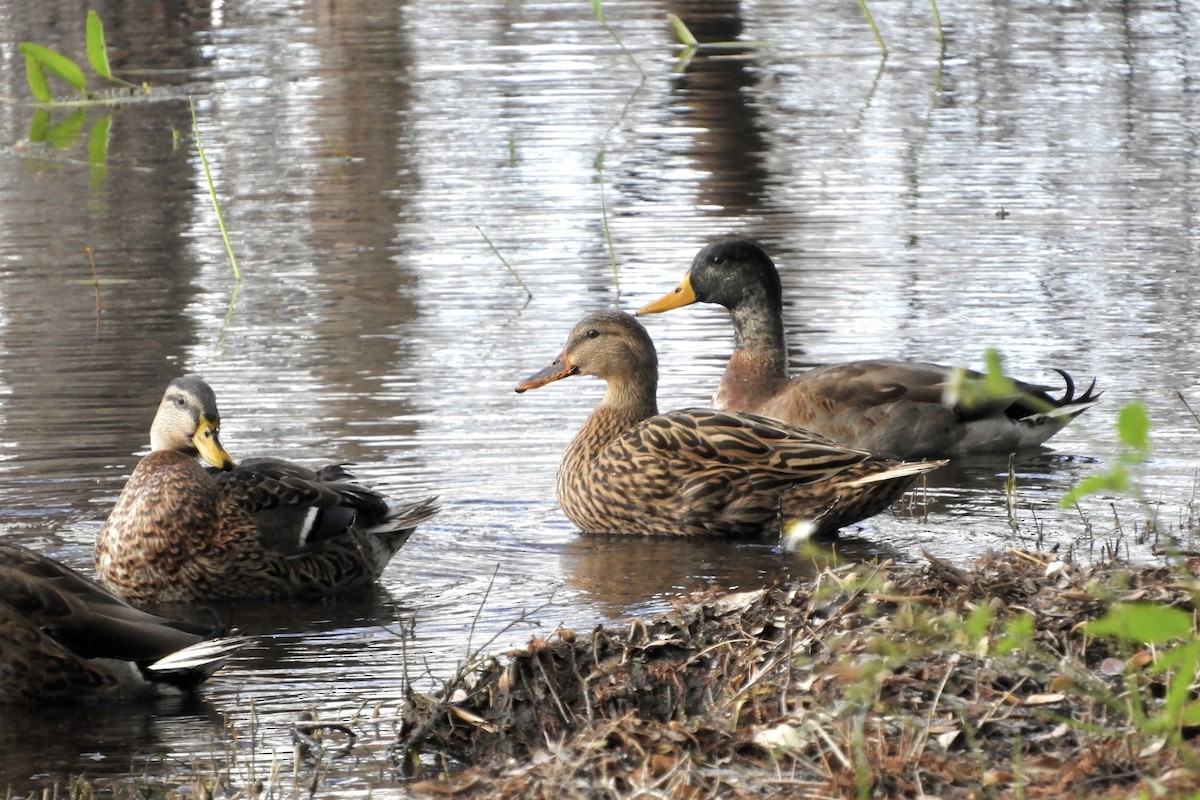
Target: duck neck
x,y
625,404
759,353
759,332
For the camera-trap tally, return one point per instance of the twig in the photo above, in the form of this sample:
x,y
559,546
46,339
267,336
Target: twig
x,y
91,256
504,261
1188,406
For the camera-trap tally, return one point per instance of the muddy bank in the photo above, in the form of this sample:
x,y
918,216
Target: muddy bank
x,y
873,681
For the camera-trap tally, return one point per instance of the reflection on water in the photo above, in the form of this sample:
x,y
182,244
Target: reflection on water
x,y
1034,190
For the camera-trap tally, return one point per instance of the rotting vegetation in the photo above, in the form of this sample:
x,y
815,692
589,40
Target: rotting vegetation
x,y
874,680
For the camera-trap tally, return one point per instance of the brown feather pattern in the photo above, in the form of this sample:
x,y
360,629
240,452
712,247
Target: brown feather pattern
x,y
699,471
179,532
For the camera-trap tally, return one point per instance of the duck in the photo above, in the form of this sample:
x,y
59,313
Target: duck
x,y
902,409
180,532
699,471
65,639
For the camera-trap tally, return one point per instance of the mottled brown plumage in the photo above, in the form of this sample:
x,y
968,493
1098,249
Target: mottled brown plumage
x,y
266,527
903,409
699,471
64,639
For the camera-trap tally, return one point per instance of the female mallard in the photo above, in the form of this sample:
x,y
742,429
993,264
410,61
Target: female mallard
x,y
698,471
903,409
64,639
264,528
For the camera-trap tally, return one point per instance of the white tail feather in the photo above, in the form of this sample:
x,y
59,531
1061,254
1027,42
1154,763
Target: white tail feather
x,y
199,654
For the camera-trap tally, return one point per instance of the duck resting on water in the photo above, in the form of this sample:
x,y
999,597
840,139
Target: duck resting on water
x,y
64,639
904,409
262,528
695,471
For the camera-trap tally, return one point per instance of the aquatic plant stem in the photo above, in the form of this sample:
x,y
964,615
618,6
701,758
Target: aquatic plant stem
x,y
598,10
871,21
91,256
937,24
212,193
612,255
504,261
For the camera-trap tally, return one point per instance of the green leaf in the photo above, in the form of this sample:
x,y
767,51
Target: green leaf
x,y
979,622
1143,623
996,383
598,10
1115,480
96,50
57,63
1133,426
1190,714
98,141
1018,634
37,80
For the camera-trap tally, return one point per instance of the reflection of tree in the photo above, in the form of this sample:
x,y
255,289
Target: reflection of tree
x,y
730,146
358,197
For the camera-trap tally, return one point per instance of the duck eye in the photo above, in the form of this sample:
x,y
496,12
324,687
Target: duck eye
x,y
592,333
179,401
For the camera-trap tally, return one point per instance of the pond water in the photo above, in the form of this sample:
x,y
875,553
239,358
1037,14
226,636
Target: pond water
x,y
1033,188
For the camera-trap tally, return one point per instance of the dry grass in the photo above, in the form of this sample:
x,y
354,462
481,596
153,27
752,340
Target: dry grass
x,y
872,681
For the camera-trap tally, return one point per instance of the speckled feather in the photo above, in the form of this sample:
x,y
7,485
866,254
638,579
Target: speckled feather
x,y
698,471
264,528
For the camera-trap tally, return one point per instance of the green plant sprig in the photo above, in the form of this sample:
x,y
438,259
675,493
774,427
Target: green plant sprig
x,y
40,60
1135,447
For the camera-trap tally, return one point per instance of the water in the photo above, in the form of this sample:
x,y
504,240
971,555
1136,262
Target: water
x,y
1035,190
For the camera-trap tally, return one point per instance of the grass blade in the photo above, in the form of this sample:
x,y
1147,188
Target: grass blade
x,y
212,194
871,21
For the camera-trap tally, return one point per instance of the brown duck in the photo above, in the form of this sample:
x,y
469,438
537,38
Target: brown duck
x,y
903,409
263,528
63,639
700,471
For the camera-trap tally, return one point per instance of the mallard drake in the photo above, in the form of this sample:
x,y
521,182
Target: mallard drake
x,y
266,527
902,409
65,639
700,471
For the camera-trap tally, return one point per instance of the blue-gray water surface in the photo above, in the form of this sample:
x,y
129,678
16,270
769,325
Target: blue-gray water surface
x,y
424,197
